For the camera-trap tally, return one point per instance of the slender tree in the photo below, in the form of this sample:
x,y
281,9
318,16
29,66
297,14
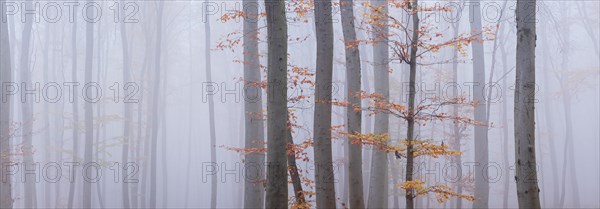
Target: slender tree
x,y
378,184
325,189
30,197
128,117
211,112
277,113
155,104
75,106
456,127
254,192
88,113
353,118
293,170
526,170
6,200
410,130
480,136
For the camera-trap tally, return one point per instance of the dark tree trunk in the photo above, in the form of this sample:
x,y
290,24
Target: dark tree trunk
x,y
277,113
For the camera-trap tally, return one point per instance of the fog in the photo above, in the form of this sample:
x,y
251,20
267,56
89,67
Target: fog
x,y
141,104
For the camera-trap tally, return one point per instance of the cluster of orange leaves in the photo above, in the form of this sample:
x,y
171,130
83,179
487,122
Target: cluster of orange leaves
x,y
442,192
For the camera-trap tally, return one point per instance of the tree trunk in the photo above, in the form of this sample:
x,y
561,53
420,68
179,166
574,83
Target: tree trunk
x,y
482,187
378,185
155,103
211,114
75,106
324,178
353,118
410,194
128,118
6,200
277,113
457,129
293,168
254,191
46,114
526,170
30,196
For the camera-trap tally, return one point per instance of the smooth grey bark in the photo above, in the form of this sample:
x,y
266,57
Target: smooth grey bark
x,y
254,136
30,196
75,106
277,111
293,169
353,118
410,130
368,120
211,112
480,136
526,170
88,114
128,117
378,183
6,200
324,178
155,103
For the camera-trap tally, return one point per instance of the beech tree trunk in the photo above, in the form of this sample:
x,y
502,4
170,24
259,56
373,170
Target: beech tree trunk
x,y
128,118
155,103
211,113
378,185
254,191
353,118
6,200
293,168
456,129
324,178
30,196
482,188
277,111
524,117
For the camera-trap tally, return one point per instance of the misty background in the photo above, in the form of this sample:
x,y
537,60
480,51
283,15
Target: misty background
x,y
567,101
